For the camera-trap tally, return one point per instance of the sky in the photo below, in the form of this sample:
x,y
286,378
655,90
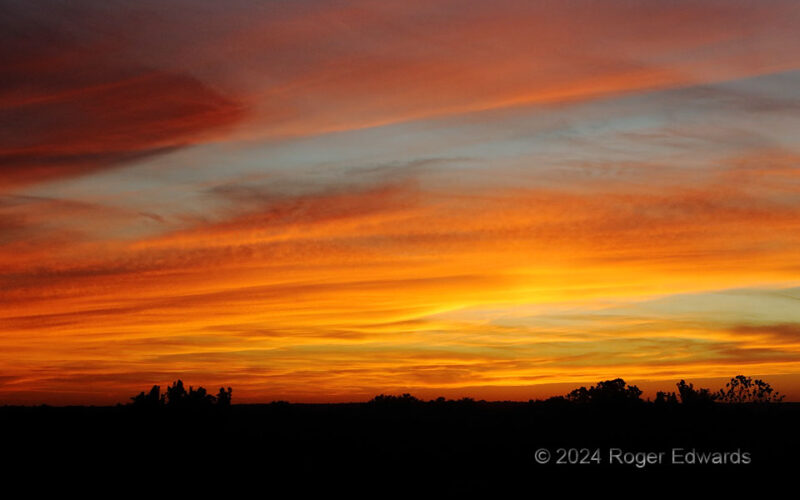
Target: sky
x,y
325,200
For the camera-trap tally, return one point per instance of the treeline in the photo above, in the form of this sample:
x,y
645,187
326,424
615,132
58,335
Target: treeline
x,y
740,389
176,396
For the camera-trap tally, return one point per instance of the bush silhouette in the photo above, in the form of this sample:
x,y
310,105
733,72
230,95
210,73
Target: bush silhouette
x,y
743,389
390,400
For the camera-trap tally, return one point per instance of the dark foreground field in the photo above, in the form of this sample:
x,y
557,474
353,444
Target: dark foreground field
x,y
446,446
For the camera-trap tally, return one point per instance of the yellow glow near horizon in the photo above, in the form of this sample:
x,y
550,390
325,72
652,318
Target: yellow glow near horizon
x,y
405,197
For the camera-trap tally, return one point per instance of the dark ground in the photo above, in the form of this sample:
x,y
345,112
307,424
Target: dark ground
x,y
446,447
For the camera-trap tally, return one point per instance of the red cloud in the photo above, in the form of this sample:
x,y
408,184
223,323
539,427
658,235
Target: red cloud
x,y
70,111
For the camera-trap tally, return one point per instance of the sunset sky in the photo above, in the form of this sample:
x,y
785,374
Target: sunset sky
x,y
327,200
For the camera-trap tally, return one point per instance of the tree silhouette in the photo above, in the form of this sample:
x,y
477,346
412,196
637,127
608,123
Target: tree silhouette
x,y
151,400
199,397
666,398
743,389
695,397
224,397
608,392
177,396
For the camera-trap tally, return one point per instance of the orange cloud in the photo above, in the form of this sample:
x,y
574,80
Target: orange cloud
x,y
360,65
410,281
159,77
346,286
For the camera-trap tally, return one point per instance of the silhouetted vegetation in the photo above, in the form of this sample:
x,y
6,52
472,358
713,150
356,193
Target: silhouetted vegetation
x,y
387,399
460,445
152,399
178,397
610,393
224,397
739,390
695,397
743,389
607,393
665,398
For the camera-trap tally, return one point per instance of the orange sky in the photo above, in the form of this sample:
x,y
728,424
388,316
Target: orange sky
x,y
324,201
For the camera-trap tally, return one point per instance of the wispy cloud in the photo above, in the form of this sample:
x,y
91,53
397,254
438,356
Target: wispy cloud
x,y
322,201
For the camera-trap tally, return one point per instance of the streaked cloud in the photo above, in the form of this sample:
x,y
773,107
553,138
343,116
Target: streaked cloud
x,y
327,200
